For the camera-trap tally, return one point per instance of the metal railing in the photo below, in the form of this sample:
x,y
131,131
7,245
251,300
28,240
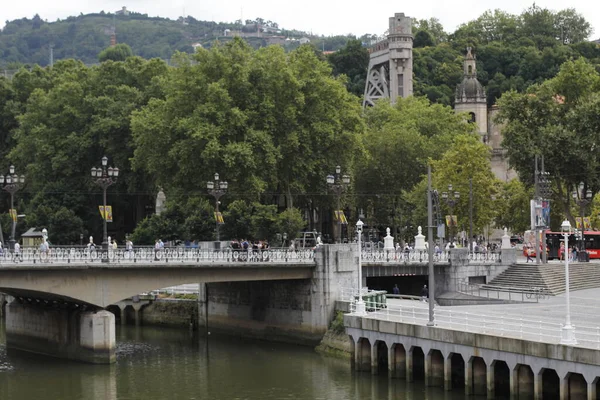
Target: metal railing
x,y
79,254
532,294
422,256
519,327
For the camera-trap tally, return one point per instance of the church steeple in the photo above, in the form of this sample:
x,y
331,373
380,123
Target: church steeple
x,y
470,90
470,95
470,65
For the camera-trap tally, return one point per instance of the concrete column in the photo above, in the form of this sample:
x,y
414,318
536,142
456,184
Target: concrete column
x,y
448,373
564,387
357,355
526,384
479,376
591,390
409,366
137,307
514,382
434,369
374,359
400,361
202,305
538,387
468,378
491,383
391,351
428,372
61,333
363,355
353,353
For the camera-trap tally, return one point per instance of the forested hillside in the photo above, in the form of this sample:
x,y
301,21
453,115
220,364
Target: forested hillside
x,y
27,41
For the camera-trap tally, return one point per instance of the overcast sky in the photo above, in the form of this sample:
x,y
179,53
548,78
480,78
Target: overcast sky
x,y
321,17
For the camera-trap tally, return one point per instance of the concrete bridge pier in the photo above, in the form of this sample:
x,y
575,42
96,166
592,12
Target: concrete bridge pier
x,y
2,304
61,332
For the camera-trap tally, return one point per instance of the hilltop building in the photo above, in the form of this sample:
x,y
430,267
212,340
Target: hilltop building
x,y
122,11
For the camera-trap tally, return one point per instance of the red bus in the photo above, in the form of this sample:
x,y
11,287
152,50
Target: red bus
x,y
554,240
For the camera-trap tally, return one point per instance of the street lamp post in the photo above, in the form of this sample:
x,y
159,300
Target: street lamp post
x,y
568,333
12,183
582,199
217,189
338,184
104,177
360,304
451,198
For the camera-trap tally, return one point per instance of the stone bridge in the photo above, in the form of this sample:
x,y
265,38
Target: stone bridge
x,y
60,297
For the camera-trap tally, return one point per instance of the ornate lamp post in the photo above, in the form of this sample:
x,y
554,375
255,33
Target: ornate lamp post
x,y
217,189
582,198
12,183
568,333
338,185
451,198
360,304
104,177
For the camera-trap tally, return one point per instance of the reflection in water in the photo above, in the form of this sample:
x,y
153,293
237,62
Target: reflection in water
x,y
154,363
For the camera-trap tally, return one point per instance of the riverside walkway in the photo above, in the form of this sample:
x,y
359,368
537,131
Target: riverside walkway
x,y
495,350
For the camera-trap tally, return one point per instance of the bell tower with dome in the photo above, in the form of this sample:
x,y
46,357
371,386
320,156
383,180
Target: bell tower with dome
x,y
471,98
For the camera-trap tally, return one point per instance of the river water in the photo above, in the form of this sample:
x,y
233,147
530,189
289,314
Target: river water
x,y
158,363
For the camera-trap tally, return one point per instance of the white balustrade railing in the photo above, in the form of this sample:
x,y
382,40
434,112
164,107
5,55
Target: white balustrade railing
x,y
149,255
422,256
524,327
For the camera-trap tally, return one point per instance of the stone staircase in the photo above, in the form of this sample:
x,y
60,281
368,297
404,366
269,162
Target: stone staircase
x,y
550,277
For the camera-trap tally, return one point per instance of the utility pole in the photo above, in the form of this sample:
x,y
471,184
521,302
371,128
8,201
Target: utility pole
x,y
546,195
535,210
471,215
51,54
430,247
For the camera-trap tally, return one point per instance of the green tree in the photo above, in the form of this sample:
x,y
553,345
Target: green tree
x,y
558,119
248,114
512,206
72,116
399,142
466,159
290,221
119,52
351,60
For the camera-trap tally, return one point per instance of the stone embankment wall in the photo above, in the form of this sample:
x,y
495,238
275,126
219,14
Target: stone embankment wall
x,y
170,312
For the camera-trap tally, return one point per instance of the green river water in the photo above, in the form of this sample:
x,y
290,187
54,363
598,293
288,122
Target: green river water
x,y
159,363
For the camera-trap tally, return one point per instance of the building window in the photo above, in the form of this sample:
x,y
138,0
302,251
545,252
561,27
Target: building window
x,y
470,68
401,85
472,117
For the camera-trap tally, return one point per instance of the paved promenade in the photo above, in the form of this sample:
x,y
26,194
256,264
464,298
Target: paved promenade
x,y
540,322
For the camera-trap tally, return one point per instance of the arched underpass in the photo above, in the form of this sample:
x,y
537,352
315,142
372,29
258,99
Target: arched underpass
x,y
408,284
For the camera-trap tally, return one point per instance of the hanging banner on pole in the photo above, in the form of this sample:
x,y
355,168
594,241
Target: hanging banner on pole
x,y
340,217
109,216
451,220
586,223
106,214
13,214
219,218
